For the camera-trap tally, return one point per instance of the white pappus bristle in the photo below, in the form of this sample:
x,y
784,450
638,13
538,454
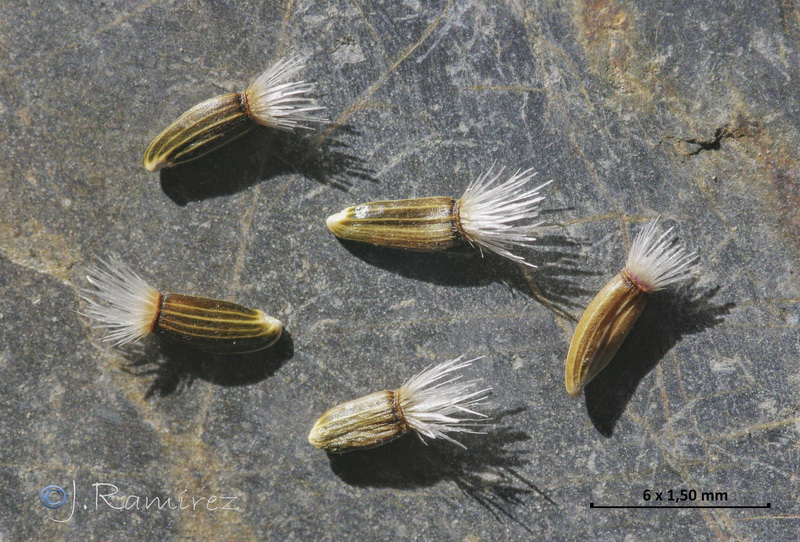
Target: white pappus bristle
x,y
121,302
435,402
656,261
276,102
500,216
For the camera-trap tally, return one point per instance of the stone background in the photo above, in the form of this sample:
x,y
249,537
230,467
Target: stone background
x,y
688,110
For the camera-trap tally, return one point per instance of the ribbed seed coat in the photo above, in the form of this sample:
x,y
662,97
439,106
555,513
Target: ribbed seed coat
x,y
202,129
654,262
213,325
602,329
412,224
366,422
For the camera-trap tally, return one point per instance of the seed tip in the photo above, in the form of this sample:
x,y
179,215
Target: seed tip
x,y
314,436
574,391
152,165
274,325
335,220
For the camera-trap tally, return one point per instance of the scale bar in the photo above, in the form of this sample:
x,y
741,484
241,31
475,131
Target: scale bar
x,y
593,505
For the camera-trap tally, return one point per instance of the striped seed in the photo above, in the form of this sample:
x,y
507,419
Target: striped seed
x,y
216,326
602,329
205,127
414,224
367,422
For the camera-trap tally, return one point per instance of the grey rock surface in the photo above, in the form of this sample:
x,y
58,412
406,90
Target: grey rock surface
x,y
688,110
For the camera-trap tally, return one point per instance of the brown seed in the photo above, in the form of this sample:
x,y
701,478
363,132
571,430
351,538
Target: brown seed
x,y
413,224
272,100
492,214
362,423
213,325
432,404
654,262
128,308
202,129
602,328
